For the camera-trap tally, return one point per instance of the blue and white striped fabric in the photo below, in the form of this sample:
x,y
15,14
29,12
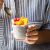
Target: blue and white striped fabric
x,y
32,9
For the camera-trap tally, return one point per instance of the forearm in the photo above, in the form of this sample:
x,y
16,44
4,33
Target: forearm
x,y
43,37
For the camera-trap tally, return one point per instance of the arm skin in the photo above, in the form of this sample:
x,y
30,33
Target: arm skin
x,y
44,36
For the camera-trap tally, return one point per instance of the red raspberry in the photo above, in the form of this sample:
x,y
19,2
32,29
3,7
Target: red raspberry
x,y
18,19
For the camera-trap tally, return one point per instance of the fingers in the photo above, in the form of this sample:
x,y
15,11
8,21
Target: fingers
x,y
31,28
32,33
31,37
29,41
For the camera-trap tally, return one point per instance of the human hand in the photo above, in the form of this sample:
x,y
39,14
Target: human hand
x,y
37,37
32,36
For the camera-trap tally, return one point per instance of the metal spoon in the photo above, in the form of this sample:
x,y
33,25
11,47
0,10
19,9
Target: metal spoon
x,y
47,9
7,10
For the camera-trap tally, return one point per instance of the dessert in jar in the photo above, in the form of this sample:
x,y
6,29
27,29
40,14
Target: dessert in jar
x,y
19,27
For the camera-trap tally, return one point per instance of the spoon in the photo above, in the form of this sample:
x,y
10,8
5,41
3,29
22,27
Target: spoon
x,y
7,10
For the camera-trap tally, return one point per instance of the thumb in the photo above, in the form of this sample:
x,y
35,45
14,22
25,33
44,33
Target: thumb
x,y
31,28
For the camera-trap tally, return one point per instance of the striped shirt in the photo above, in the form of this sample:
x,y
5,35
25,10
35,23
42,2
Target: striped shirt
x,y
34,10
